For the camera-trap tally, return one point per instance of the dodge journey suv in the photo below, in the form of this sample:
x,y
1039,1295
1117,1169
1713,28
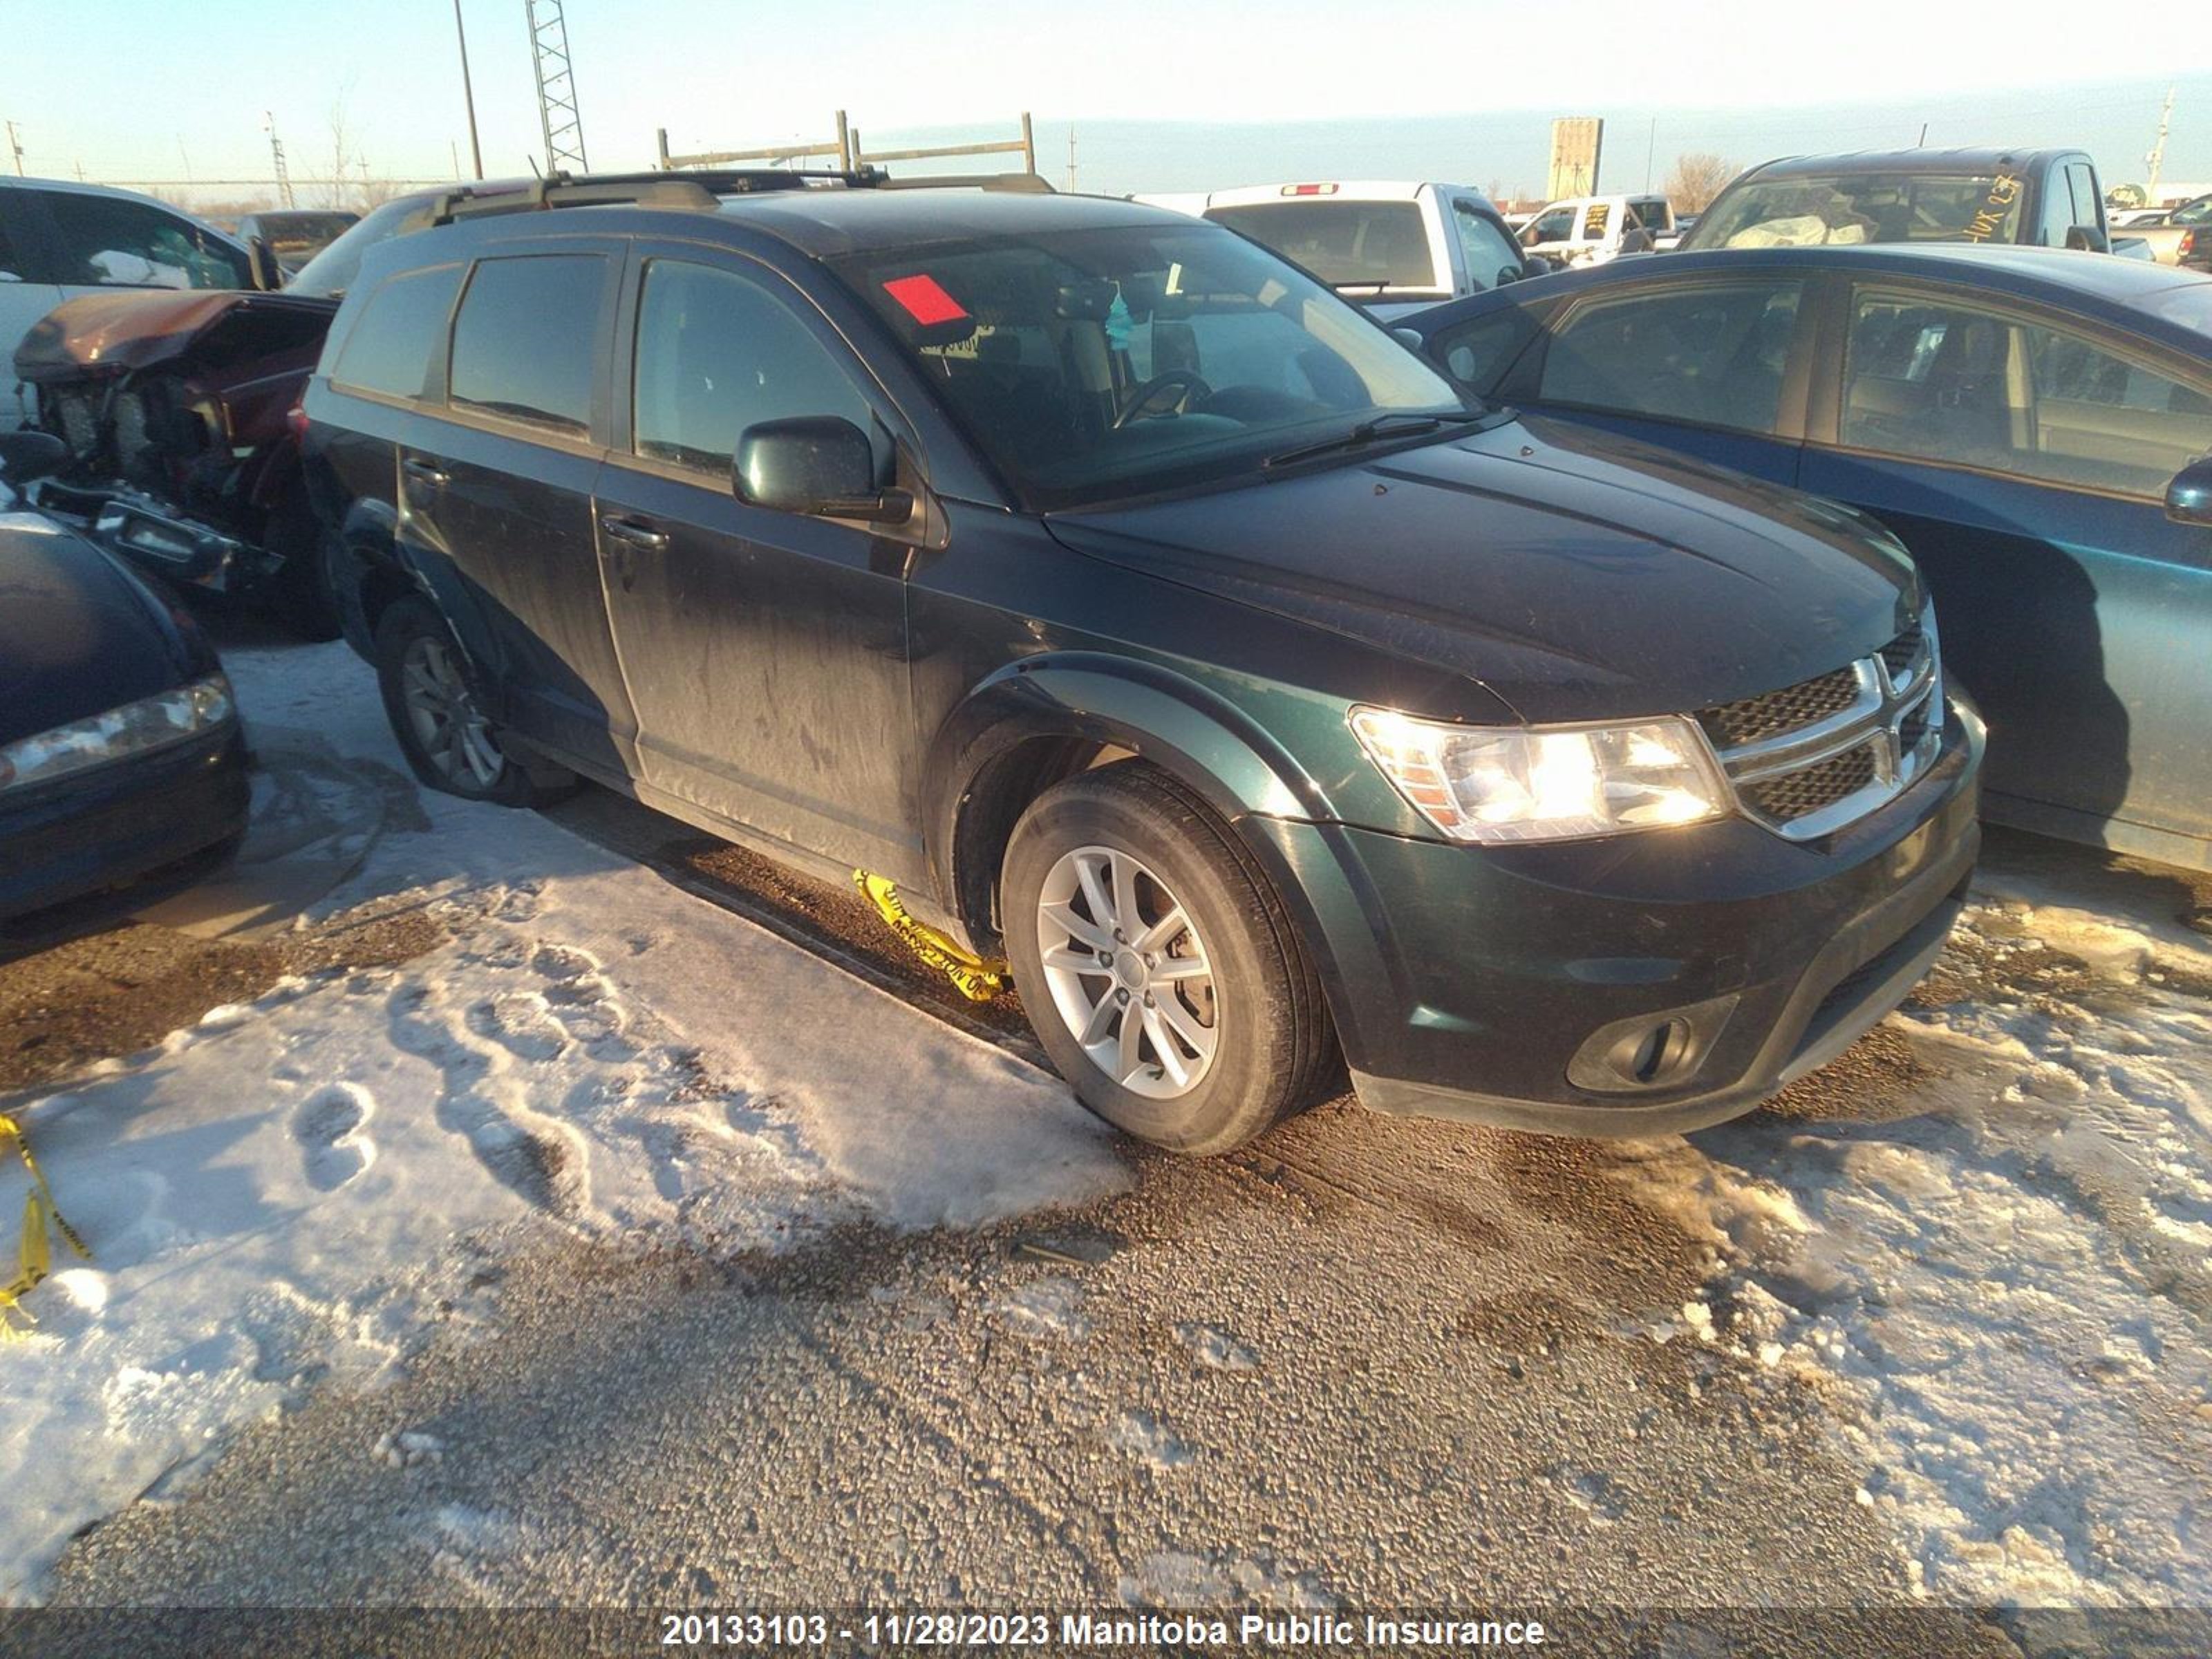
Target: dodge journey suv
x,y
1156,619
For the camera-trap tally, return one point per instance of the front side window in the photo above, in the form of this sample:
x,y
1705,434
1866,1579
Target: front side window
x,y
1492,256
108,241
1556,225
528,337
1935,380
1096,364
389,349
717,353
1869,207
1357,247
2195,213
1715,356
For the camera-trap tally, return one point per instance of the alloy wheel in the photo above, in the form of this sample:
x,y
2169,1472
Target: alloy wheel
x,y
452,731
1127,972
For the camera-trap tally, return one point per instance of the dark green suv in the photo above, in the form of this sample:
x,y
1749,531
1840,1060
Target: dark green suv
x,y
1154,617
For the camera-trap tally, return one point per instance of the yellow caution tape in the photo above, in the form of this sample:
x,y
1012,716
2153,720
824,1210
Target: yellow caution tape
x,y
35,1258
979,978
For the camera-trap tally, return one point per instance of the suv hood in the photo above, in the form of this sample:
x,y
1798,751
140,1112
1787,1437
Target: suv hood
x,y
102,334
1574,574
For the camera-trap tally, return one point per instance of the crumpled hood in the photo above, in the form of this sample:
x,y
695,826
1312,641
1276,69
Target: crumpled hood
x,y
1575,574
77,633
114,333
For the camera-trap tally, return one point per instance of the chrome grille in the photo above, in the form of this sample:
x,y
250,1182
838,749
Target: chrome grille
x,y
1813,757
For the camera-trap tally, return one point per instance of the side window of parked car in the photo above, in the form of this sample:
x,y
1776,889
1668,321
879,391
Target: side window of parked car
x,y
528,337
1478,352
107,242
13,268
1713,356
390,348
1558,225
1488,251
1933,380
718,352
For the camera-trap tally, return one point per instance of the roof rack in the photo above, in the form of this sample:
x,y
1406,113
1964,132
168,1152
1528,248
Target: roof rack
x,y
700,191
1018,183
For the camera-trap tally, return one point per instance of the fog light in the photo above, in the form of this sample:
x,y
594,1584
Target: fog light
x,y
1661,1049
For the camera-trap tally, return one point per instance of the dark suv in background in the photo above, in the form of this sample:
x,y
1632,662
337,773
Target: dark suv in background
x,y
1152,616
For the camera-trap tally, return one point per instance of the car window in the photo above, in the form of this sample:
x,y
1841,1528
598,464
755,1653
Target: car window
x,y
1713,356
1955,383
527,337
2060,213
108,241
717,353
1347,243
390,348
2083,180
1652,212
1492,256
2195,213
13,268
1556,226
1597,218
1864,207
1478,352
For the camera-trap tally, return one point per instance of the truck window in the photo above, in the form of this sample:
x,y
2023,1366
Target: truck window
x,y
1490,255
717,353
1350,245
2088,204
1713,356
389,349
1868,207
109,242
1555,225
526,338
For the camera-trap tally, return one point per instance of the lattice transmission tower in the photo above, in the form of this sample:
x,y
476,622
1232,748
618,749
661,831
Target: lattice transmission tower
x,y
556,87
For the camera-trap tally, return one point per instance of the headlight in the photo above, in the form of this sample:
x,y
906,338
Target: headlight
x,y
134,729
1507,784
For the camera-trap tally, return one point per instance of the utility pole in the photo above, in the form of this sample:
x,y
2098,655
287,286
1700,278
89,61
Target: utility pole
x,y
1071,157
468,96
557,114
1650,149
276,157
2155,159
16,144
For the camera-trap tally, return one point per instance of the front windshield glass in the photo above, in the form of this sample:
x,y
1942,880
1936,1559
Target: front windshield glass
x,y
1097,364
1361,247
1867,207
331,272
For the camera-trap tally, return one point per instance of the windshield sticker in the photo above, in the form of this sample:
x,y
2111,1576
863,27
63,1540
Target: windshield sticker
x,y
1996,206
924,299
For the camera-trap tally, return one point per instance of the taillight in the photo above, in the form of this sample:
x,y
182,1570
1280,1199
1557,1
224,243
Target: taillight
x,y
2188,244
296,418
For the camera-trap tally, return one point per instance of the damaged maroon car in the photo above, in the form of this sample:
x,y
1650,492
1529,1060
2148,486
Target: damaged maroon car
x,y
177,409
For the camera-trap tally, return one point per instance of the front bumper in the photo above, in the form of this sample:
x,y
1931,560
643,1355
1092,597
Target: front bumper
x,y
120,824
154,535
1491,983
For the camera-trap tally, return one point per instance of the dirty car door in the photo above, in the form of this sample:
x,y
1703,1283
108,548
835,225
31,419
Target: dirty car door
x,y
765,650
496,487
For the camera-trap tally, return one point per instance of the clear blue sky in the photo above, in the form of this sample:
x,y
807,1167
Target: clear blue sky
x,y
1460,89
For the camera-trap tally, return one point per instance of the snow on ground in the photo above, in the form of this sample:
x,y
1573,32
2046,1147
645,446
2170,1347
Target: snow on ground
x,y
307,1189
2005,1281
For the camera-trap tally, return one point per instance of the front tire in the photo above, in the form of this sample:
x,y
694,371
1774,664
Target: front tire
x,y
1160,970
430,697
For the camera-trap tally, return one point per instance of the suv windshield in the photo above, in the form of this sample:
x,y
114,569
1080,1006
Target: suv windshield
x,y
1368,246
1099,364
1866,207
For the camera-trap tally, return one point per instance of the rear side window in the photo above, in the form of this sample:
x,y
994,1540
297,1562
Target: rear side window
x,y
1354,245
1715,355
389,350
717,353
527,338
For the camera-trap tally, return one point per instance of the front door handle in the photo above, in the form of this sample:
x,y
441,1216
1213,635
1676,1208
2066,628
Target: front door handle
x,y
632,533
426,472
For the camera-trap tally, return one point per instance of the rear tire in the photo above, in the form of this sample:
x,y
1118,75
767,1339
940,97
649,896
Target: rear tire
x,y
430,697
1125,899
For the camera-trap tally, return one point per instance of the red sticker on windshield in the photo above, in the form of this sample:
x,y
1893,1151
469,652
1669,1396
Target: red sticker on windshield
x,y
924,300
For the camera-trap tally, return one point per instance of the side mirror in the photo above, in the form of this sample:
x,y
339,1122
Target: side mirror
x,y
817,464
2188,497
25,454
268,275
2088,238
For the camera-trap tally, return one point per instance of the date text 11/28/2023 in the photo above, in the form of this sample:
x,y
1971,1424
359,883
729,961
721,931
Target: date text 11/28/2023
x,y
1062,1631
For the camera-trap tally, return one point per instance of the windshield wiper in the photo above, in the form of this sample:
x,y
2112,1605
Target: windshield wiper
x,y
1367,432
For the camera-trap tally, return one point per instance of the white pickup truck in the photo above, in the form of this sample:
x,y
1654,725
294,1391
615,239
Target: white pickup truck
x,y
1589,230
1389,246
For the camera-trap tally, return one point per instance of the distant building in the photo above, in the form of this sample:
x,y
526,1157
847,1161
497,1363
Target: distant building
x,y
1577,141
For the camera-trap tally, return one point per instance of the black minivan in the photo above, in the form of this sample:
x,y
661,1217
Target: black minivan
x,y
1152,616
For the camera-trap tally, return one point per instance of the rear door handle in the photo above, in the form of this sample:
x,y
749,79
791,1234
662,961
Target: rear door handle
x,y
426,472
631,532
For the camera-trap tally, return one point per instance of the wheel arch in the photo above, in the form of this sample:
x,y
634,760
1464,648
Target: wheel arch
x,y
1047,718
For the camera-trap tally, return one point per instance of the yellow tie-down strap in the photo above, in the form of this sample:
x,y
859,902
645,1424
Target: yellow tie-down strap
x,y
979,978
34,1259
